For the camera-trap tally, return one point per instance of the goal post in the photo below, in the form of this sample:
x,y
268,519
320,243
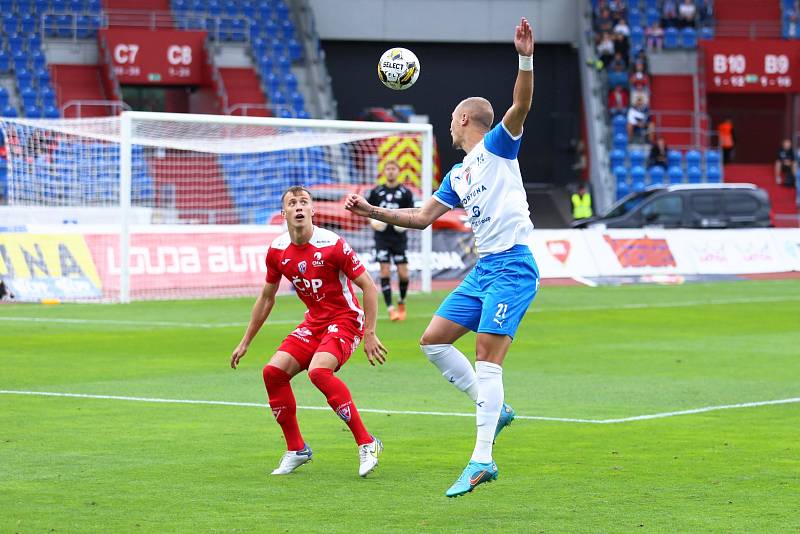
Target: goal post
x,y
175,205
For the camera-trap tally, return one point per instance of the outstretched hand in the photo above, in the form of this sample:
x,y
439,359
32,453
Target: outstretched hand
x,y
523,38
374,349
357,204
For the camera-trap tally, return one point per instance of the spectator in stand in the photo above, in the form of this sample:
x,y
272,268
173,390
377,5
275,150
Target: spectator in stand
x,y
655,36
639,83
618,100
598,9
605,48
705,12
622,28
727,140
669,13
687,14
658,154
791,24
604,22
786,165
640,128
617,8
618,63
641,57
622,45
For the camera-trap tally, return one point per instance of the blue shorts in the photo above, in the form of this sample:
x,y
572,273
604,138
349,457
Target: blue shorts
x,y
495,295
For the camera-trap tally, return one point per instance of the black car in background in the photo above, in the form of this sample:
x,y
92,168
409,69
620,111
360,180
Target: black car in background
x,y
688,206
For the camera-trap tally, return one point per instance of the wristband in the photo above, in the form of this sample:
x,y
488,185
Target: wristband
x,y
525,62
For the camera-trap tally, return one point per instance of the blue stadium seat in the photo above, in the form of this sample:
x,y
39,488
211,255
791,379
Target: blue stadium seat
x,y
290,81
303,114
694,175
652,15
281,10
51,112
284,64
656,175
617,158
617,79
621,173
618,124
670,38
634,17
638,173
712,158
675,175
298,102
639,185
278,98
689,38
692,158
272,82
295,50
5,64
637,158
285,114
33,111
713,175
622,189
674,158
10,111
706,33
637,37
620,141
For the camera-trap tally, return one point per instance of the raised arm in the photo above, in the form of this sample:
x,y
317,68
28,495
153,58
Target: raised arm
x,y
523,88
261,310
372,345
417,218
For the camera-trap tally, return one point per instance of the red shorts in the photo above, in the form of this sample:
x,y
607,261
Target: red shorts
x,y
306,340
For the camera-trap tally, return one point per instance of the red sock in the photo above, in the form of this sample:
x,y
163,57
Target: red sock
x,y
284,407
340,400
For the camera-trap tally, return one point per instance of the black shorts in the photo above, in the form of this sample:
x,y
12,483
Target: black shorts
x,y
390,251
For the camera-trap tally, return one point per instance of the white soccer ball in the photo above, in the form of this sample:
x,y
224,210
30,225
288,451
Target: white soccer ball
x,y
398,68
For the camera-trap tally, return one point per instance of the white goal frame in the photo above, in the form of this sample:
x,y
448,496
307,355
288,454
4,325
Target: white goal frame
x,y
129,120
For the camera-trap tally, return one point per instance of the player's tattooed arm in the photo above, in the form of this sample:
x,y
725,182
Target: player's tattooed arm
x,y
417,218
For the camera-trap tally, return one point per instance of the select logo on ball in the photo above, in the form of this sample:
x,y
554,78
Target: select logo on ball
x,y
398,68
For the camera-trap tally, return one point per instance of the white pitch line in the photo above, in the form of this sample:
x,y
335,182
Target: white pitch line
x,y
411,412
184,324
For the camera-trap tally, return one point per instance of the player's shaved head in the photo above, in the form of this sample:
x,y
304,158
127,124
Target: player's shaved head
x,y
294,191
478,109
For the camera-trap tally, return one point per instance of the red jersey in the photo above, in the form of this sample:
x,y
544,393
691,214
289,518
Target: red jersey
x,y
321,272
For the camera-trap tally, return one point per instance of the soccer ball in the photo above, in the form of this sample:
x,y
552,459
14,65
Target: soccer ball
x,y
398,68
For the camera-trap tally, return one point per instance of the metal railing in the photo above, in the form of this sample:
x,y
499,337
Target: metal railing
x,y
749,29
114,106
72,25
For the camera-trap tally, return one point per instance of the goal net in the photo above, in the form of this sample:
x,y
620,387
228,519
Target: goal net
x,y
160,205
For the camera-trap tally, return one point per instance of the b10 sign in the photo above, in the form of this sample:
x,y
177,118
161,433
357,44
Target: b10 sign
x,y
763,66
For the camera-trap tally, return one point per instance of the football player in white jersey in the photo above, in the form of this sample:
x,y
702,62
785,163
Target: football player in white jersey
x,y
496,294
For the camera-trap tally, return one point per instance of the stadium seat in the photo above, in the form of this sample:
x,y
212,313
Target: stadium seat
x,y
617,158
638,186
51,112
713,175
620,141
634,17
622,189
694,175
693,158
670,38
653,15
290,81
707,33
712,158
617,79
656,175
621,173
674,158
637,37
10,111
638,173
689,38
618,124
303,114
637,158
675,175
5,64
33,111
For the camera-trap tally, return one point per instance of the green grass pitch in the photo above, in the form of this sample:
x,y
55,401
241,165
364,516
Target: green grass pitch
x,y
101,465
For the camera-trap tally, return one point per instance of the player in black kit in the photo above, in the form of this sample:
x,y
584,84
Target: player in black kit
x,y
391,241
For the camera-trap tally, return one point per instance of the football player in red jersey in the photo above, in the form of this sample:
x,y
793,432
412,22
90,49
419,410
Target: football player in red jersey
x,y
322,268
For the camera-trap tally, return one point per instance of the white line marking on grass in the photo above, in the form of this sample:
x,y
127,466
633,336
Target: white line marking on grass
x,y
411,412
299,319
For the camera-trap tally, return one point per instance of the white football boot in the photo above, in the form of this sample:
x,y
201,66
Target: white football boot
x,y
291,460
368,456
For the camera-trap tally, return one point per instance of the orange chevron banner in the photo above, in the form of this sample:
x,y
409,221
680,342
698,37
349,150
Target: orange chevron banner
x,y
406,151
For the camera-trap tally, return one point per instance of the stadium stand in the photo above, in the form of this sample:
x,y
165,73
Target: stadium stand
x,y
669,101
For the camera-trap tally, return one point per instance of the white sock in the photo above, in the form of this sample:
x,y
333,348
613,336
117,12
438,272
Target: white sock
x,y
489,404
454,366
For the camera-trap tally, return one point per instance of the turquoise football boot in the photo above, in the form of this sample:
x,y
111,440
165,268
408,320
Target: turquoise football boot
x,y
507,414
474,474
